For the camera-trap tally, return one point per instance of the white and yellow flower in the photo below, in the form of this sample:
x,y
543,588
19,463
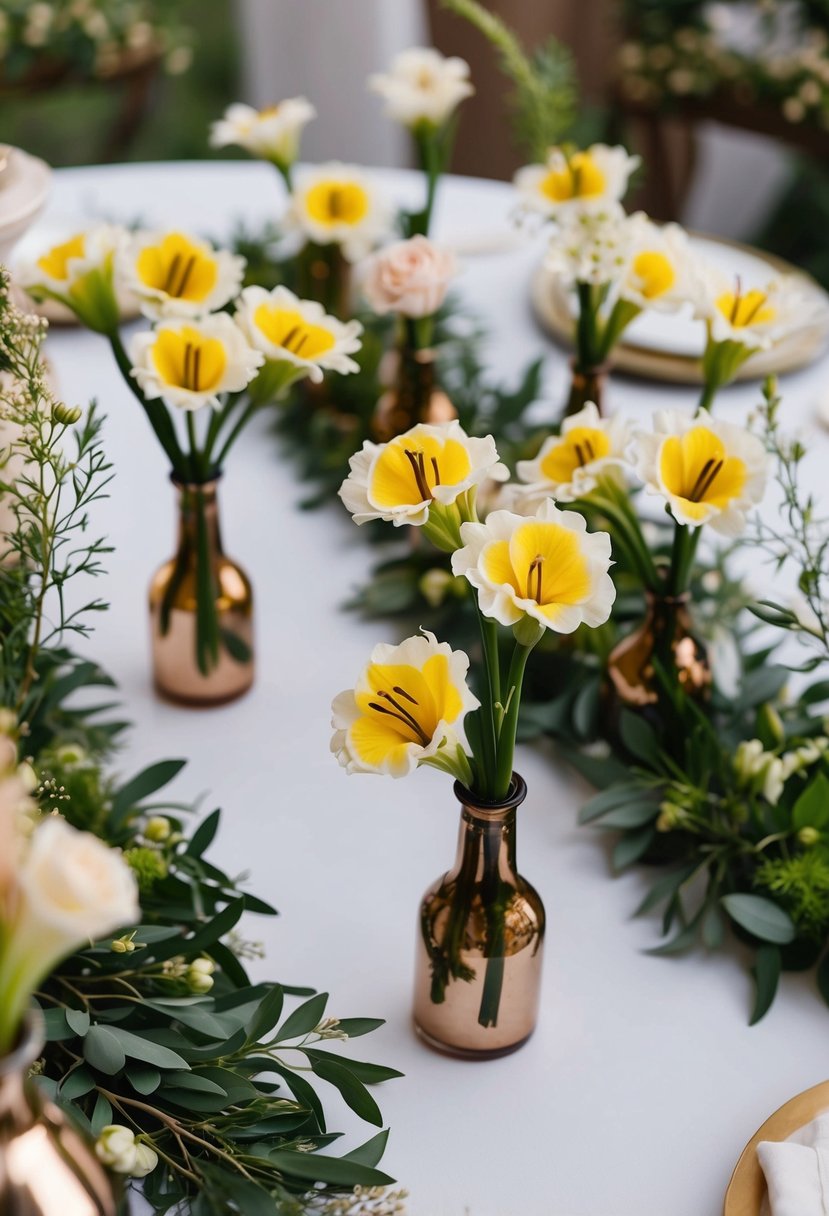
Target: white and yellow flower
x,y
407,709
429,466
296,337
272,133
752,317
661,273
80,273
336,204
545,567
708,471
570,465
189,364
423,86
173,274
571,180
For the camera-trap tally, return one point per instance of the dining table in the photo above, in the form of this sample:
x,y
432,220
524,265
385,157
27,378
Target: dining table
x,y
643,1080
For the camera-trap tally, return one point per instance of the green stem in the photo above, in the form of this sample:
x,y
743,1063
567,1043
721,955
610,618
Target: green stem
x,y
706,400
682,558
506,740
586,356
157,414
236,430
489,734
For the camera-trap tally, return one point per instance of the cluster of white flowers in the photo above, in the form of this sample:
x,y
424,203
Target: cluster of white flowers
x,y
768,771
118,1148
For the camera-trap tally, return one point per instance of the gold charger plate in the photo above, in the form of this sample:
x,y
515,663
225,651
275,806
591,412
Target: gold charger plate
x,y
747,1188
551,304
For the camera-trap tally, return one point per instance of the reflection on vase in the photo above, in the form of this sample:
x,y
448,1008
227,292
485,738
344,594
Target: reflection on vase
x,y
201,610
46,1168
666,634
414,397
480,940
586,384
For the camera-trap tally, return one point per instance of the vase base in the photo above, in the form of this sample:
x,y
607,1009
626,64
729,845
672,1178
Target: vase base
x,y
468,1053
196,701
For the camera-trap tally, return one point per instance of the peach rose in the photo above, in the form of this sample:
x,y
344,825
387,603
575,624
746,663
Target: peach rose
x,y
410,278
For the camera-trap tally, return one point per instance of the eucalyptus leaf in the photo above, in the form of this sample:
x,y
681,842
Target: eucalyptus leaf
x,y
102,1049
766,972
760,917
304,1019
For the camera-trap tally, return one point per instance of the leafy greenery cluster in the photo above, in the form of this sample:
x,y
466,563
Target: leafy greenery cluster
x,y
161,1029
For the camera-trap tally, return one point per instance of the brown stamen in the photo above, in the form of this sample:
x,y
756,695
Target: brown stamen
x,y
436,469
398,711
188,270
171,274
712,477
188,358
196,367
536,568
415,459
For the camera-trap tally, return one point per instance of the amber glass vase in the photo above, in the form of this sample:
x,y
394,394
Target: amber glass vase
x,y
46,1167
415,396
586,384
480,940
666,634
201,610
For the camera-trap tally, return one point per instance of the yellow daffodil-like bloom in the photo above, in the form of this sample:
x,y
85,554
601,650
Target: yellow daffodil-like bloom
x,y
575,180
191,363
407,709
272,134
659,275
176,275
547,568
709,472
80,274
753,317
335,204
423,87
570,465
419,478
296,337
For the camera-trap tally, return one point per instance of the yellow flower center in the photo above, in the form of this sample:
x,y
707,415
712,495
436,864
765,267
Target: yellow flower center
x,y
542,561
55,263
741,310
579,446
185,358
407,470
655,273
696,468
581,177
178,268
332,203
403,705
288,329
269,111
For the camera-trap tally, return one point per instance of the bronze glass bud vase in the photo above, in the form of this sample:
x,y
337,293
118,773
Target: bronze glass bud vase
x,y
480,940
586,384
414,397
46,1167
666,635
201,610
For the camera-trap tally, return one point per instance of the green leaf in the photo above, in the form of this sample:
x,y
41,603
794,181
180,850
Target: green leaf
x,y
147,782
267,1015
370,1074
371,1152
684,940
632,847
766,972
139,1047
664,888
303,1091
76,1083
103,1051
353,1092
143,1078
313,1168
57,1027
631,815
355,1027
823,977
812,807
203,836
639,739
101,1115
79,1020
815,694
761,685
235,646
195,1081
713,929
609,799
760,917
304,1019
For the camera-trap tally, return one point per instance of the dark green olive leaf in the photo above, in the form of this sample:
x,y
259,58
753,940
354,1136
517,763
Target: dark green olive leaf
x,y
632,847
148,781
303,1091
203,836
631,815
713,928
812,807
266,1016
353,1092
766,972
760,917
639,739
371,1152
197,1082
371,1074
684,940
103,1051
304,1019
336,1170
611,798
141,1047
355,1027
664,888
815,694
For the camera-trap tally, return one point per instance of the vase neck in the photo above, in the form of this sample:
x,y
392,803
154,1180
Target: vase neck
x,y
486,838
198,515
15,1106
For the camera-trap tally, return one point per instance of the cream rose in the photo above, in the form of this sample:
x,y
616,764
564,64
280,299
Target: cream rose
x,y
410,278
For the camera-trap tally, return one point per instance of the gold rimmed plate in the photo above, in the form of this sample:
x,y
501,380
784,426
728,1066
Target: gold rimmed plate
x,y
747,1188
668,347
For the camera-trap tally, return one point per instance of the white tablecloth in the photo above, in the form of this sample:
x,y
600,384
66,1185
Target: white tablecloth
x,y
643,1080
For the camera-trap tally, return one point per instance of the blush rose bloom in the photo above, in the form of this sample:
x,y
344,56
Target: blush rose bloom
x,y
409,278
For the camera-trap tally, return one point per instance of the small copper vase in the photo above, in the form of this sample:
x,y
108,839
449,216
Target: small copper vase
x,y
667,635
46,1167
325,276
201,610
414,397
586,384
480,940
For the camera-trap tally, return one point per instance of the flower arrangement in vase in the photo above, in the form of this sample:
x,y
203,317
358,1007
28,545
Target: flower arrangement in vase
x,y
482,925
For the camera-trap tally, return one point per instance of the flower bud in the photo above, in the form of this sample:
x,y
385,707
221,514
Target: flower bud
x,y
200,975
66,415
808,837
122,945
116,1148
671,816
157,829
146,1159
434,586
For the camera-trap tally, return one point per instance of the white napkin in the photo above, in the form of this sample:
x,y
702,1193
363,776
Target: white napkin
x,y
797,1171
